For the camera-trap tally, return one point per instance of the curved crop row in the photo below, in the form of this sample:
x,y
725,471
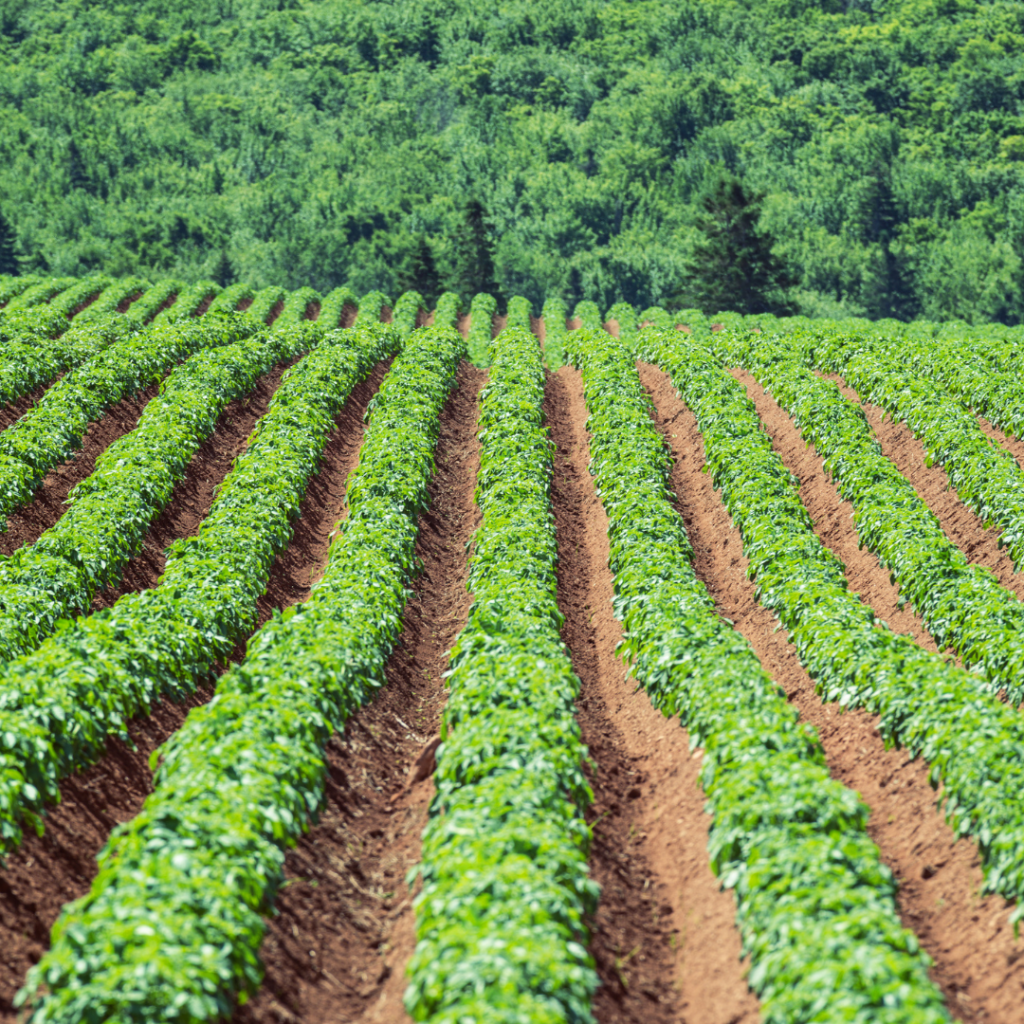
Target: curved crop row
x,y
146,306
59,703
42,291
974,743
333,305
112,509
406,311
188,302
778,817
963,605
50,432
447,312
228,300
519,313
171,928
501,933
589,315
481,327
555,316
296,304
658,317
264,303
371,307
987,478
116,293
12,287
625,316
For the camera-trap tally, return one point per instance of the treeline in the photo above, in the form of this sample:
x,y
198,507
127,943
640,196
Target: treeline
x,y
838,157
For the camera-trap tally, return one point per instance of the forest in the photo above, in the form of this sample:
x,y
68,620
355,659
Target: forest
x,y
869,152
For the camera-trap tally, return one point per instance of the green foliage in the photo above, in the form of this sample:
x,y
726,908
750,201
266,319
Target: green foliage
x,y
171,927
447,312
588,314
555,316
733,266
973,742
501,916
481,327
12,287
788,839
113,297
333,306
963,605
228,300
371,307
519,313
339,141
190,299
625,316
406,310
8,257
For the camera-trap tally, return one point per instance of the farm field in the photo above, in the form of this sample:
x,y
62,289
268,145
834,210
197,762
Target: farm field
x,y
368,662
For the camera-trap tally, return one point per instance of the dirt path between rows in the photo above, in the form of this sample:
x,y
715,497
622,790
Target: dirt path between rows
x,y
194,493
1014,445
665,940
47,506
978,964
47,872
962,526
345,930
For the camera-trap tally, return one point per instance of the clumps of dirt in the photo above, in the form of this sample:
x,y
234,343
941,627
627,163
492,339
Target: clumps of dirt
x,y
664,938
962,526
978,964
498,324
193,494
50,870
27,524
345,928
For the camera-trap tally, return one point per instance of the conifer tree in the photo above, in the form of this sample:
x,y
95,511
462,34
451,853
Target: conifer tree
x,y
8,257
733,268
474,267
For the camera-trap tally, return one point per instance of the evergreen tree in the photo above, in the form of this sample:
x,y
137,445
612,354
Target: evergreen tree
x,y
8,259
421,273
733,268
223,273
474,257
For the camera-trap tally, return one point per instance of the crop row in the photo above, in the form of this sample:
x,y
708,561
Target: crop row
x,y
59,703
171,928
987,477
786,837
112,509
555,315
500,918
963,605
974,743
188,302
481,320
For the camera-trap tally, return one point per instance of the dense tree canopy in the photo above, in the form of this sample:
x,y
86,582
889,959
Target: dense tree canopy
x,y
331,141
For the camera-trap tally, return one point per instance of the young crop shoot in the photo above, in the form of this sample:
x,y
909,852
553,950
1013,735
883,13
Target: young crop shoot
x,y
171,928
501,932
973,742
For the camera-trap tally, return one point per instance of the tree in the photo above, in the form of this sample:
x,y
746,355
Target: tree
x,y
474,257
733,268
421,273
8,259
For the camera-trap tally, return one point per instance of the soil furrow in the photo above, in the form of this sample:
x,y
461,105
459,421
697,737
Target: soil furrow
x,y
498,324
1014,445
193,494
48,871
26,525
345,930
13,411
665,938
349,312
463,324
978,965
959,523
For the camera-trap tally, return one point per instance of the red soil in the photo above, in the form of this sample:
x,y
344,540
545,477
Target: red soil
x,y
498,325
122,306
463,324
537,326
345,930
665,939
349,312
275,312
978,964
312,311
82,305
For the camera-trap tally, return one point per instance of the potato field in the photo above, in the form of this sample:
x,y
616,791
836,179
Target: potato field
x,y
370,663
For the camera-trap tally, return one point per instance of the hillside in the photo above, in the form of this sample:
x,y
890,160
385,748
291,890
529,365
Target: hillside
x,y
329,143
